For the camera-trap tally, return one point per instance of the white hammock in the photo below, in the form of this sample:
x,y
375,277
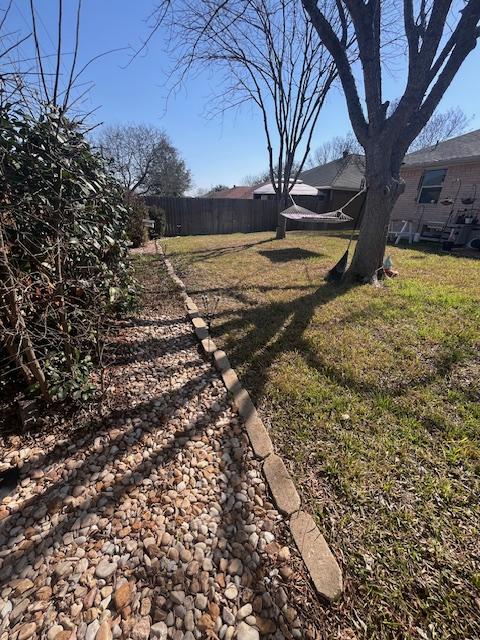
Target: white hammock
x,y
296,212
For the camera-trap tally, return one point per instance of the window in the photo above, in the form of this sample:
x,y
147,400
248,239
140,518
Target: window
x,y
431,186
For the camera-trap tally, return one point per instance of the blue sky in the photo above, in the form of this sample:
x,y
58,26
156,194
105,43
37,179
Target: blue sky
x,y
219,150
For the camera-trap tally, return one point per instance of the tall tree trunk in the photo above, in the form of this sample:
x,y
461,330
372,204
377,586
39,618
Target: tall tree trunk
x,y
281,221
383,191
281,224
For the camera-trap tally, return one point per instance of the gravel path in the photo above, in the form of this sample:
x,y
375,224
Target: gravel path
x,y
154,524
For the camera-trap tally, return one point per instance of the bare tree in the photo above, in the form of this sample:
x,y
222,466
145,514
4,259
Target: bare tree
x,y
253,179
144,160
441,126
438,36
334,148
271,58
12,77
131,148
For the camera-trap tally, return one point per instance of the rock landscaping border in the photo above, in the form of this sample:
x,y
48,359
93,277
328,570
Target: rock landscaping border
x,y
320,562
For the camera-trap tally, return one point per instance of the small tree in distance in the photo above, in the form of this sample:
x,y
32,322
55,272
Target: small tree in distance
x,y
334,148
144,160
438,36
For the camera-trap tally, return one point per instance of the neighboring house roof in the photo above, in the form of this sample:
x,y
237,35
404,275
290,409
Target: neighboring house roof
x,y
299,189
243,193
464,147
344,173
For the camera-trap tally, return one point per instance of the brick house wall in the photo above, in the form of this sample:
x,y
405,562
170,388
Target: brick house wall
x,y
407,208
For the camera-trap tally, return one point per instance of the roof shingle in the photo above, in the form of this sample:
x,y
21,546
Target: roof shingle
x,y
466,146
242,192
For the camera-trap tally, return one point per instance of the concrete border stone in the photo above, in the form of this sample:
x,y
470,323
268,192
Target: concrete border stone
x,y
200,328
320,561
281,485
209,346
244,404
222,363
259,438
231,381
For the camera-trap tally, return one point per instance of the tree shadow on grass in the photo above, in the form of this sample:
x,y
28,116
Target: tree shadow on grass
x,y
207,254
274,328
288,254
268,330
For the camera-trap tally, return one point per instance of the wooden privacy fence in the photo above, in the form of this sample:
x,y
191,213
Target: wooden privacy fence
x,y
200,216
205,216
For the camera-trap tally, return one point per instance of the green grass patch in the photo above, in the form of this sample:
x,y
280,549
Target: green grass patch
x,y
373,394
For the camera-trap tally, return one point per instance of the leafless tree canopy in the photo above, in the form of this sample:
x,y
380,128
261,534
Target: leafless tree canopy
x,y
144,160
334,148
270,57
131,149
252,179
438,35
262,177
441,126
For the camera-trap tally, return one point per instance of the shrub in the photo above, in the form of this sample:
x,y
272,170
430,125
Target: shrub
x,y
63,252
158,215
136,230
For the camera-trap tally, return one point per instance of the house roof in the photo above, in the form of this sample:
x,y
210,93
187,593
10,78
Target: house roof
x,y
344,173
242,192
464,147
299,189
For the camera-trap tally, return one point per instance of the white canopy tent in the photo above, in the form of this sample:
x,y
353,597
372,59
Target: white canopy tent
x,y
298,189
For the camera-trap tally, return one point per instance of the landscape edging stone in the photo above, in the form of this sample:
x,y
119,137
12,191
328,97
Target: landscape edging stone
x,y
319,560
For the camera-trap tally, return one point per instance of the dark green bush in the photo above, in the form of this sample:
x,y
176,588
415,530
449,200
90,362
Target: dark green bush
x,y
63,252
157,214
136,229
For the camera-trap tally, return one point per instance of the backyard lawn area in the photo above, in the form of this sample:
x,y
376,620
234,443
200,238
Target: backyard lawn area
x,y
372,398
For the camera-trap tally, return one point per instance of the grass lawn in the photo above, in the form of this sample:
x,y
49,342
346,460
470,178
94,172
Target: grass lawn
x,y
372,395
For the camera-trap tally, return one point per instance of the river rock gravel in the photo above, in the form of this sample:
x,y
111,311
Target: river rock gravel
x,y
156,523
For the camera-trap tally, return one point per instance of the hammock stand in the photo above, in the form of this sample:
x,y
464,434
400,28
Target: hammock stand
x,y
295,212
